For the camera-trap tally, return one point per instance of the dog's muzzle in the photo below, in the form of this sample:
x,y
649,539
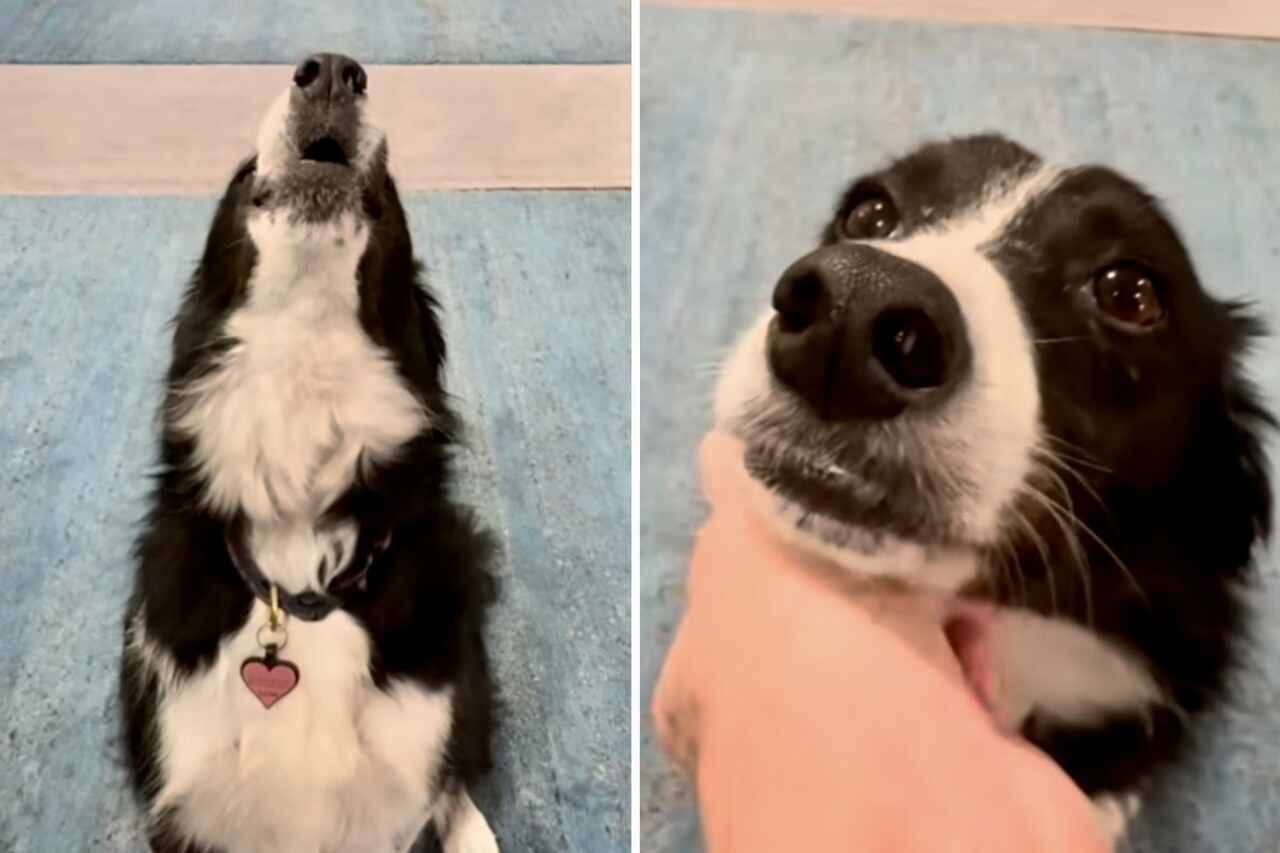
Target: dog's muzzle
x,y
324,118
863,334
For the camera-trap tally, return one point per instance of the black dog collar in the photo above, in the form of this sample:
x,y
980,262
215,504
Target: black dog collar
x,y
308,606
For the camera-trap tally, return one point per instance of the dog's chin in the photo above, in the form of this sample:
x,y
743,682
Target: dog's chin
x,y
322,172
310,193
830,490
870,528
325,180
881,497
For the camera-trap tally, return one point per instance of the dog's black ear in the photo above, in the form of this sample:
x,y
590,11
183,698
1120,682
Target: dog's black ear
x,y
1245,479
1251,421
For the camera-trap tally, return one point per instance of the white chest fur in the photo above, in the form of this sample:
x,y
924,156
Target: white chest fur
x,y
300,400
336,766
281,426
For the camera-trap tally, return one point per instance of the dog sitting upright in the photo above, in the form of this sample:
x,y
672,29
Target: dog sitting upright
x,y
304,666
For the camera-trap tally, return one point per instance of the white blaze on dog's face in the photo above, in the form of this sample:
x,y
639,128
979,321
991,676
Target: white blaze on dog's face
x,y
970,312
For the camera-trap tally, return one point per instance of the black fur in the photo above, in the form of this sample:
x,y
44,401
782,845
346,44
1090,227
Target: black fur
x,y
1161,429
425,604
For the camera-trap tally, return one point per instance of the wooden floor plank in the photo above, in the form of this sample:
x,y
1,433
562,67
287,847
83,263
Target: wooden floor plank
x,y
179,130
1250,18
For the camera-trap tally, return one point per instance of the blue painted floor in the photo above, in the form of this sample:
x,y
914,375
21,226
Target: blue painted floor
x,y
535,287
389,31
752,123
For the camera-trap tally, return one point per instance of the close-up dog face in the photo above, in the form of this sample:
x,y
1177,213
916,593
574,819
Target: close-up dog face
x,y
983,350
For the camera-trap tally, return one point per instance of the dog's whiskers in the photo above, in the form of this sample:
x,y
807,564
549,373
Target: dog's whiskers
x,y
1041,546
1059,463
1072,539
1050,505
1085,458
1016,572
996,561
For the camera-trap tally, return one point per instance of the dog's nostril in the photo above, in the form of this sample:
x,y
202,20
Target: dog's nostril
x,y
306,73
353,75
910,347
799,300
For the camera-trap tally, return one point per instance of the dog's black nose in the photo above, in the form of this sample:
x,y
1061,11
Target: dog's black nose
x,y
860,333
330,76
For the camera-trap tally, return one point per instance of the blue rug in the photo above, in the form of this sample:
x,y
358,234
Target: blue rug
x,y
752,123
389,31
535,288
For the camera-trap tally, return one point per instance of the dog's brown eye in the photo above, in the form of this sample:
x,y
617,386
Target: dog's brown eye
x,y
873,218
1127,294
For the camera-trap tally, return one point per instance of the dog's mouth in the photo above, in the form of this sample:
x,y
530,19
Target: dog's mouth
x,y
829,488
319,159
326,150
873,484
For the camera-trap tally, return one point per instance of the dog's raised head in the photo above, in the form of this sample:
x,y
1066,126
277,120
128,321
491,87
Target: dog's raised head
x,y
318,183
307,293
987,356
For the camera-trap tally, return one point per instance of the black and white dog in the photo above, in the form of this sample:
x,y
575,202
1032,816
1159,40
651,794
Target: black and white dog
x,y
1003,378
304,666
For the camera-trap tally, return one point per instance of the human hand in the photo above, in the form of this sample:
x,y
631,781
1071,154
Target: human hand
x,y
818,715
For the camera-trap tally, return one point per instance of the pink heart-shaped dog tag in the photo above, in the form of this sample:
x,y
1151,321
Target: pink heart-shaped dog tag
x,y
270,681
